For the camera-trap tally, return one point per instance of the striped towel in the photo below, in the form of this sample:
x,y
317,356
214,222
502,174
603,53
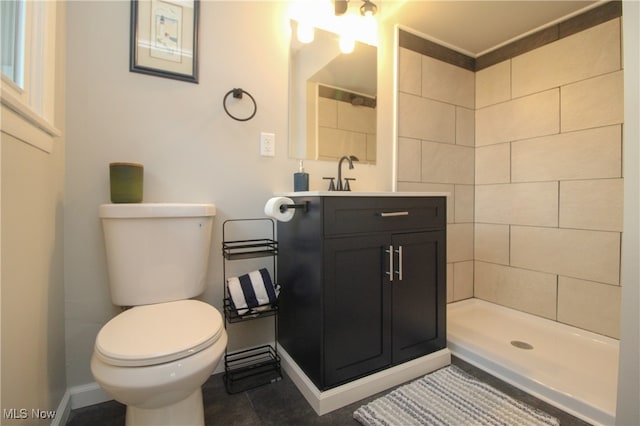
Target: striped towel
x,y
250,292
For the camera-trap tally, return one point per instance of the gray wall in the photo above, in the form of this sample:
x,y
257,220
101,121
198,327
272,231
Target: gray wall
x,y
192,151
33,335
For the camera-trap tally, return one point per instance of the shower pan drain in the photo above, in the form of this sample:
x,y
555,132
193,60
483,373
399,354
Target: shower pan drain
x,y
521,345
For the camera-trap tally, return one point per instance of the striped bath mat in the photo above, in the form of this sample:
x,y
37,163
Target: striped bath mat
x,y
449,397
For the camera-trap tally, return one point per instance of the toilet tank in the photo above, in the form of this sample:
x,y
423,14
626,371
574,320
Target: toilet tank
x,y
156,252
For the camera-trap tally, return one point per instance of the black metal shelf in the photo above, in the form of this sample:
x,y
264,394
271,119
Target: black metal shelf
x,y
260,311
251,368
260,365
248,249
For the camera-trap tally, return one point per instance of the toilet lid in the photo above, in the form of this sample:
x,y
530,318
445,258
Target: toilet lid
x,y
155,334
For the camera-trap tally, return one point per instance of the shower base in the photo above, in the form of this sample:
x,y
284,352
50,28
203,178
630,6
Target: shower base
x,y
572,369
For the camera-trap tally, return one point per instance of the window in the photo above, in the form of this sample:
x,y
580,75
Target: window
x,y
28,41
12,14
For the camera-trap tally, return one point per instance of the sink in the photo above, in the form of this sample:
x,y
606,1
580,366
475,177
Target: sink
x,y
362,194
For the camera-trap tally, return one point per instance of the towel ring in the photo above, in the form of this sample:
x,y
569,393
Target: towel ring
x,y
237,93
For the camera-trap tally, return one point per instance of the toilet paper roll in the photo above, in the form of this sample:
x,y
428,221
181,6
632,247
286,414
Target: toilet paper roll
x,y
273,209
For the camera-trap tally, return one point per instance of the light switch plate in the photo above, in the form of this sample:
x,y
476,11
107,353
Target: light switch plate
x,y
267,144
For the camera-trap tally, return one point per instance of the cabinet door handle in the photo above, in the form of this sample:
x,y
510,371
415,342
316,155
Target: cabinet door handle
x,y
390,273
393,214
400,261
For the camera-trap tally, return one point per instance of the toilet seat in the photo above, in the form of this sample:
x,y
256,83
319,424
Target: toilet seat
x,y
155,334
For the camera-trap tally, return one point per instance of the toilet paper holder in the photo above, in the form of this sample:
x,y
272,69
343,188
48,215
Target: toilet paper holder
x,y
303,206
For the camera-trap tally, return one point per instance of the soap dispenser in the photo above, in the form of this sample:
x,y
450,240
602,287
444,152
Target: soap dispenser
x,y
301,179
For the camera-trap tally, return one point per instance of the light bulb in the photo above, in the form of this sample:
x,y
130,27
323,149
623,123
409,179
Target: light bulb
x,y
347,44
368,8
305,33
369,30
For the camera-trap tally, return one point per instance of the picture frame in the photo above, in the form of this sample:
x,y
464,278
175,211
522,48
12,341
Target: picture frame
x,y
164,38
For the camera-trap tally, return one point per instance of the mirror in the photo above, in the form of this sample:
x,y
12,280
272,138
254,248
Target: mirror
x,y
332,99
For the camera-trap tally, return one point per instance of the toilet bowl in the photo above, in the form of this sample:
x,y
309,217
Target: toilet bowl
x,y
155,358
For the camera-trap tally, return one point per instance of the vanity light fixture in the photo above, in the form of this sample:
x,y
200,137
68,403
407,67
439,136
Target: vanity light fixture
x,y
340,7
343,20
368,8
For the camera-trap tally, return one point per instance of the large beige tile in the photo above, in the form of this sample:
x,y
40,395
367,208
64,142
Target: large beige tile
x,y
447,83
429,187
534,204
493,164
459,242
409,159
409,71
522,118
372,147
432,187
586,154
493,84
445,163
491,243
586,54
450,283
335,142
589,305
592,204
463,280
528,291
327,112
356,118
422,118
463,208
589,255
595,102
465,126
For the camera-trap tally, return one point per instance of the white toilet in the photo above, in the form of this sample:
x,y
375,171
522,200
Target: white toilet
x,y
155,356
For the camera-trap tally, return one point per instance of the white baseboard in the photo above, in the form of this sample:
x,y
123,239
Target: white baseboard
x,y
322,402
86,395
77,397
89,394
63,410
338,397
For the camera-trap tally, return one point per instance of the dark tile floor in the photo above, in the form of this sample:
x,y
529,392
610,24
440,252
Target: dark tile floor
x,y
281,403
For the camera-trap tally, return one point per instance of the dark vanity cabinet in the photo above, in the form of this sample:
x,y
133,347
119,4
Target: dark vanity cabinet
x,y
364,284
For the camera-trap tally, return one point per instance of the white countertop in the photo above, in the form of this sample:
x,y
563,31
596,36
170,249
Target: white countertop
x,y
361,194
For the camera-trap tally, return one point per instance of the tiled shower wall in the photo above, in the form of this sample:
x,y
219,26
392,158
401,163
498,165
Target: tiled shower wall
x,y
536,215
436,116
343,127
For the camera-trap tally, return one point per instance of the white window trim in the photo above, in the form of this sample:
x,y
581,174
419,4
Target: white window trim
x,y
22,122
27,114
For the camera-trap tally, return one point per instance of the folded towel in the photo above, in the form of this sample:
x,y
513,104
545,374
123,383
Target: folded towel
x,y
248,292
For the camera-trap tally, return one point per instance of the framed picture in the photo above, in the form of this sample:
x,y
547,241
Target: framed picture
x,y
164,38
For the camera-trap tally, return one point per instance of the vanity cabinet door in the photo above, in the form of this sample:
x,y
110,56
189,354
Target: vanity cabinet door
x,y
419,295
357,338
341,316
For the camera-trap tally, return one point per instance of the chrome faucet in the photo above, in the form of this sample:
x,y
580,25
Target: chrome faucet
x,y
350,159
